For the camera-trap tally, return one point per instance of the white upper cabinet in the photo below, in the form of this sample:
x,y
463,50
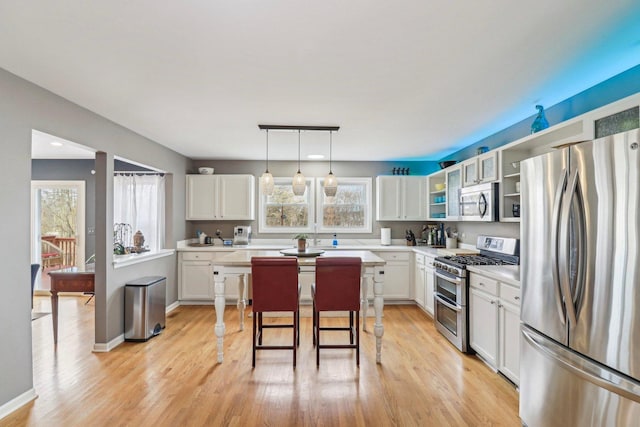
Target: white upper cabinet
x,y
480,169
220,197
401,198
453,185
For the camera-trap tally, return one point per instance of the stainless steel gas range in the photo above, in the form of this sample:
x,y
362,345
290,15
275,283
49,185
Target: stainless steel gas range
x,y
451,291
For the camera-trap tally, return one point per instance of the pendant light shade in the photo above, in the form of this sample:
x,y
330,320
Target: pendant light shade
x,y
266,180
299,182
330,181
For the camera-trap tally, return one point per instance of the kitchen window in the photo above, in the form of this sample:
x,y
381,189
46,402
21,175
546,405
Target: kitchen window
x,y
284,212
349,211
139,204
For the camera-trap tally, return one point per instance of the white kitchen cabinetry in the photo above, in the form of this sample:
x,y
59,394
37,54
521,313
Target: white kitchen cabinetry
x,y
396,275
437,196
509,321
419,281
494,324
401,198
483,325
220,197
453,185
195,278
429,283
480,169
424,282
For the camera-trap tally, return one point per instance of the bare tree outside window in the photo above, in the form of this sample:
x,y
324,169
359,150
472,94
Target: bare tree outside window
x,y
284,209
59,208
349,211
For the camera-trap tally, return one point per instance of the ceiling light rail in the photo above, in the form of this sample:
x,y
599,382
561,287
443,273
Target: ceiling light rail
x,y
299,183
299,128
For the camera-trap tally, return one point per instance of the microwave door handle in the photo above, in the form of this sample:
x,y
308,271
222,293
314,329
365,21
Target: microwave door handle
x,y
563,252
555,223
482,205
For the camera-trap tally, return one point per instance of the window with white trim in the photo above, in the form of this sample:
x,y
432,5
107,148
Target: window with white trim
x,y
284,212
349,211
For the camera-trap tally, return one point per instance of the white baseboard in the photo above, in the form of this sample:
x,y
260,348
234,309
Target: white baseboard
x,y
172,307
104,348
17,402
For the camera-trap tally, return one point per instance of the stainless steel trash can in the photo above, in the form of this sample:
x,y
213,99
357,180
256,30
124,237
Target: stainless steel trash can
x,y
144,308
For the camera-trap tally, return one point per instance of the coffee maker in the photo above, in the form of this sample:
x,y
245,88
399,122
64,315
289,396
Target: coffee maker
x,y
241,235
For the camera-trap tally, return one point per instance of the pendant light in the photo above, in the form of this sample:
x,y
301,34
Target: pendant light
x,y
266,180
299,183
330,181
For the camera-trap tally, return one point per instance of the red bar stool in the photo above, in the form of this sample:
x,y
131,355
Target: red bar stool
x,y
337,288
275,288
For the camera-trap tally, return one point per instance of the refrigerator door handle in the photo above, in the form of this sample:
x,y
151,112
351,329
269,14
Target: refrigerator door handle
x,y
582,367
555,222
563,256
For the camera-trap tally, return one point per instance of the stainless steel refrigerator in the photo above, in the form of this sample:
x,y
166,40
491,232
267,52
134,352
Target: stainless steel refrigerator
x,y
580,250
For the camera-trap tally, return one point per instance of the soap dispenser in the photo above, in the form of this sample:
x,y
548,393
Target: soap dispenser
x,y
335,240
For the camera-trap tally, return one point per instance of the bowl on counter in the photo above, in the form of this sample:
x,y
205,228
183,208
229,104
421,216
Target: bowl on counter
x,y
205,171
447,163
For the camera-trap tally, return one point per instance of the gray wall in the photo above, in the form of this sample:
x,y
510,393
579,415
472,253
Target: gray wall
x,y
344,169
23,107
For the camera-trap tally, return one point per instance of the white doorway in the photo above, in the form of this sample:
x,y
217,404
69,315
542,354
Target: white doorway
x,y
57,224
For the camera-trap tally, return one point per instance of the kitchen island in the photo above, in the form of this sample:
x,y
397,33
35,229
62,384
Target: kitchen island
x,y
239,263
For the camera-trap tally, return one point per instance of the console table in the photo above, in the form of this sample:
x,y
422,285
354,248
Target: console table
x,y
68,280
239,262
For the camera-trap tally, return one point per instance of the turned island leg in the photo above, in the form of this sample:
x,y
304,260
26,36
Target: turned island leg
x,y
364,305
378,305
242,303
218,277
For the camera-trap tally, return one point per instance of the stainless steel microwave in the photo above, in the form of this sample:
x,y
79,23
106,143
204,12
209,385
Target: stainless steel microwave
x,y
479,202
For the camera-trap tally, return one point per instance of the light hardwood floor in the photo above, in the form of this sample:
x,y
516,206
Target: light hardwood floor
x,y
174,380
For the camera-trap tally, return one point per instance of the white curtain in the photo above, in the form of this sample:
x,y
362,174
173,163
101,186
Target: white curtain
x,y
139,201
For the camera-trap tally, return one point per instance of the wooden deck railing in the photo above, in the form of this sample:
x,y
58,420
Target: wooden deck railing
x,y
58,251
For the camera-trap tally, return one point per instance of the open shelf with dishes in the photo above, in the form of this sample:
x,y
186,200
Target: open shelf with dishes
x,y
437,189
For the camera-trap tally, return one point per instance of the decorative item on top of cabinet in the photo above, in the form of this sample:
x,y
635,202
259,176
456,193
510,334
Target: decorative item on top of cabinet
x,y
540,121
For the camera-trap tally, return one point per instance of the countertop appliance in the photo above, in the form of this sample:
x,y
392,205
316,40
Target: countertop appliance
x,y
479,202
241,235
451,291
580,342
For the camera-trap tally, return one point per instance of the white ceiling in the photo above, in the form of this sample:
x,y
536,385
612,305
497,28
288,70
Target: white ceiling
x,y
407,79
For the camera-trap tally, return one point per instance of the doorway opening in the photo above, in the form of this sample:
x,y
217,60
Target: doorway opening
x,y
57,226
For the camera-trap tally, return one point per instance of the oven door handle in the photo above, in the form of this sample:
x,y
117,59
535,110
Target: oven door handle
x,y
449,278
443,300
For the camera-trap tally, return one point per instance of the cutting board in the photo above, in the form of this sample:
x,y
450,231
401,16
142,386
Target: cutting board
x,y
456,251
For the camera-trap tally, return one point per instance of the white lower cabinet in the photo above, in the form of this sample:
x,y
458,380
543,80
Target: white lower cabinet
x,y
396,275
429,284
483,325
494,324
419,281
195,278
424,282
